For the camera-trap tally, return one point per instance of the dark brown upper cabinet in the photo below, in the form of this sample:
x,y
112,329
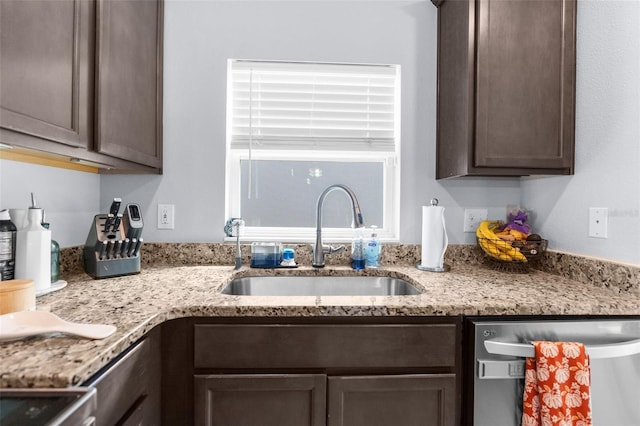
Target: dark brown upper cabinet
x,y
46,69
82,79
506,87
129,80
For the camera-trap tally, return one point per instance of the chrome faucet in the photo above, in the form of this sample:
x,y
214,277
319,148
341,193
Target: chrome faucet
x,y
236,224
319,249
231,229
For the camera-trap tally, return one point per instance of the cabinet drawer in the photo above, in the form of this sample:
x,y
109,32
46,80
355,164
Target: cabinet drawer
x,y
122,385
324,345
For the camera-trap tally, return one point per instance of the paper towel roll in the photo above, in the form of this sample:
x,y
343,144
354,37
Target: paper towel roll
x,y
434,237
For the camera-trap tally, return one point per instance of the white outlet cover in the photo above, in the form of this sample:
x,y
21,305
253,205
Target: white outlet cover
x,y
166,216
473,217
598,218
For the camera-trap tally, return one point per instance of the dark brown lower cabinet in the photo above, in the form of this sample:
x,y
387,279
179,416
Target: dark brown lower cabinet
x,y
312,371
318,400
260,399
128,389
407,400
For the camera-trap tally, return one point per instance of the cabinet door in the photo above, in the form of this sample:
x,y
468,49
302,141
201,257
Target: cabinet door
x,y
129,80
46,69
260,400
525,83
407,400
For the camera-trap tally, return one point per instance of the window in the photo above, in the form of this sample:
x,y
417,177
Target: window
x,y
295,128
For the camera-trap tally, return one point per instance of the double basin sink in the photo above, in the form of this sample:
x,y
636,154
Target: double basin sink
x,y
319,286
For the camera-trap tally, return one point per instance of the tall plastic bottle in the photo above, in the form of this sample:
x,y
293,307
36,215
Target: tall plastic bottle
x,y
357,251
7,247
33,251
372,250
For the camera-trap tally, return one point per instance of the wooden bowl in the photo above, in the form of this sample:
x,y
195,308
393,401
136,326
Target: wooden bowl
x,y
17,295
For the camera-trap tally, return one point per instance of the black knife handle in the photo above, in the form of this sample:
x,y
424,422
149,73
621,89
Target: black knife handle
x,y
101,249
116,223
132,247
115,206
138,247
124,249
107,224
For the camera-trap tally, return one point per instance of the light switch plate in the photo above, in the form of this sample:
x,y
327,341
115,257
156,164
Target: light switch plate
x,y
473,217
598,218
166,216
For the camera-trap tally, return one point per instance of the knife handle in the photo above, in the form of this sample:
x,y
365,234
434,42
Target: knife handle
x,y
124,248
107,224
116,248
138,247
132,247
110,247
116,223
115,206
101,249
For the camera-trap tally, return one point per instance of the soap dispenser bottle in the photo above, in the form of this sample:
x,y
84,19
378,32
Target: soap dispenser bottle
x,y
357,251
33,250
372,250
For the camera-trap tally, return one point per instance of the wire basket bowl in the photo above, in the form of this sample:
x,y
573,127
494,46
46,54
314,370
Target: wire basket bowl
x,y
500,256
517,251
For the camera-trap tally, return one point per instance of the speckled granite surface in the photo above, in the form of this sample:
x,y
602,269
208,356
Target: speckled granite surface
x,y
616,276
135,304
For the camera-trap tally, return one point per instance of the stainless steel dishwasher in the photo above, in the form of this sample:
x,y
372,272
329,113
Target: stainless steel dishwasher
x,y
50,407
500,349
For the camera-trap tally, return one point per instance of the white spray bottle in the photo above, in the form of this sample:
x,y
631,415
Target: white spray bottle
x,y
33,250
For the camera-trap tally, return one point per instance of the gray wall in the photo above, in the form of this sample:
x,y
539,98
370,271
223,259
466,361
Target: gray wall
x,y
69,198
200,35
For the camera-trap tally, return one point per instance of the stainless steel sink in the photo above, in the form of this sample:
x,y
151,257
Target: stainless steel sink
x,y
319,286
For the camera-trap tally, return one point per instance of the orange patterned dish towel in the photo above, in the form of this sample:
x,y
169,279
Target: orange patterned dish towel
x,y
556,386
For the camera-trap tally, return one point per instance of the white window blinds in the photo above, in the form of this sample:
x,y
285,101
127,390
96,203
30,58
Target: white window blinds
x,y
285,105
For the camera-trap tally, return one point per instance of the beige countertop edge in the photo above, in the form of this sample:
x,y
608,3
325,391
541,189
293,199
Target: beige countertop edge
x,y
135,304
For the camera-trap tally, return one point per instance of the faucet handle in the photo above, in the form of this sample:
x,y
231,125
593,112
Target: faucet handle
x,y
332,249
232,227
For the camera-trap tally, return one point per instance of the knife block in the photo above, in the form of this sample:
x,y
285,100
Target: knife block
x,y
108,252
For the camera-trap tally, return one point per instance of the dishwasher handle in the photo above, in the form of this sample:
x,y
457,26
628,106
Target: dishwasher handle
x,y
526,350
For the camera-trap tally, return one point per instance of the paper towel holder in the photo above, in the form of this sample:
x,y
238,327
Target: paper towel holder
x,y
445,267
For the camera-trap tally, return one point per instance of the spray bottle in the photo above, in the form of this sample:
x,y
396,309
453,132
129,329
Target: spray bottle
x,y
33,250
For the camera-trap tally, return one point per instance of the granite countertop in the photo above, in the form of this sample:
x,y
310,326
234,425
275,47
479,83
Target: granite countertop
x,y
137,303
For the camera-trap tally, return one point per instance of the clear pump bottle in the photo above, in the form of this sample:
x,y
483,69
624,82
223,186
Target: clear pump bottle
x,y
372,250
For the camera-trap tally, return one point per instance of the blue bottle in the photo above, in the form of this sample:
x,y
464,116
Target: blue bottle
x,y
372,250
357,251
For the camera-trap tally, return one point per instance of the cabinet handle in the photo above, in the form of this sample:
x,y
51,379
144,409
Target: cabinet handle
x,y
525,350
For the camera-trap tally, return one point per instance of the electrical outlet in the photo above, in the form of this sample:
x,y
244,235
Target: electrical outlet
x,y
166,216
598,218
473,217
